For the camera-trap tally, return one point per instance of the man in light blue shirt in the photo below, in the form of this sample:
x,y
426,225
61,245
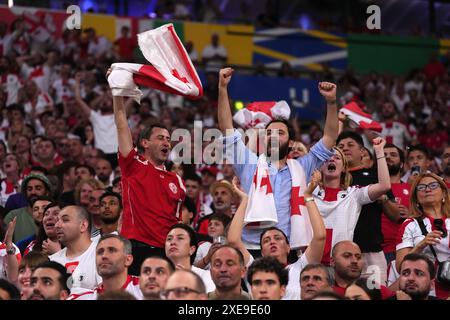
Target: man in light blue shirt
x,y
245,161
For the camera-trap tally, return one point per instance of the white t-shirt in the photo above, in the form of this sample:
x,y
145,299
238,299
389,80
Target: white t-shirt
x,y
209,52
105,132
340,212
83,268
396,133
206,277
293,288
410,235
63,89
131,286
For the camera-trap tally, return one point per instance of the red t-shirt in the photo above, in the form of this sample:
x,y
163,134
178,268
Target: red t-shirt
x,y
389,228
126,47
152,199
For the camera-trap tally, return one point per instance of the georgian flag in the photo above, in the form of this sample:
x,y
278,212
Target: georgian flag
x,y
362,119
171,70
258,114
261,212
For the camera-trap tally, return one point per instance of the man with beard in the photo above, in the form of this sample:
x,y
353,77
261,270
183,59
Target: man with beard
x,y
94,209
33,186
347,262
395,159
155,271
393,131
227,271
78,256
153,197
113,257
103,125
46,154
49,282
281,131
110,212
416,276
446,166
104,171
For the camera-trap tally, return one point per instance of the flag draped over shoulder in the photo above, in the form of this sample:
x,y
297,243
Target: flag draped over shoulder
x,y
171,69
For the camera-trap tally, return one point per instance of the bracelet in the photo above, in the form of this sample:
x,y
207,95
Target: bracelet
x,y
381,157
309,199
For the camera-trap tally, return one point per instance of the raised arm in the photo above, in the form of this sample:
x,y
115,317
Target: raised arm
x,y
328,91
384,182
12,269
314,252
224,111
124,137
234,235
80,101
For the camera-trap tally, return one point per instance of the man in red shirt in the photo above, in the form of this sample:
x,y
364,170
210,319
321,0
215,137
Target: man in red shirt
x,y
125,45
152,196
395,159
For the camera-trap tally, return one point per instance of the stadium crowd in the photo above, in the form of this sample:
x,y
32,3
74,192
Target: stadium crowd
x,y
90,191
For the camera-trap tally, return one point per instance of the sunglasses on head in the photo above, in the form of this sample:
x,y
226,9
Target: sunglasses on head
x,y
431,186
439,225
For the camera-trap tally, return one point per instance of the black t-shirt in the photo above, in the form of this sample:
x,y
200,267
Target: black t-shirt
x,y
368,233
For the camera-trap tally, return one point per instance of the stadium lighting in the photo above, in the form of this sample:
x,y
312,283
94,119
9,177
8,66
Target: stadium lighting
x,y
238,105
10,3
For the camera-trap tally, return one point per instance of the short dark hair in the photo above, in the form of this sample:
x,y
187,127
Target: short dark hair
x,y
40,169
400,151
193,177
270,265
328,294
116,295
352,135
14,293
41,198
190,205
63,275
111,194
147,132
16,106
91,170
189,230
374,293
223,218
272,228
238,252
164,258
44,138
417,257
420,148
328,271
291,131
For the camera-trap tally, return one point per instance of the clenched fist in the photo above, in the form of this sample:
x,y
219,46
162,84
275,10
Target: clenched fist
x,y
328,91
225,75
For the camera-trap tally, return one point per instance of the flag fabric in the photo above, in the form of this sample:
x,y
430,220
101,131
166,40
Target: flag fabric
x,y
360,118
261,211
171,69
258,114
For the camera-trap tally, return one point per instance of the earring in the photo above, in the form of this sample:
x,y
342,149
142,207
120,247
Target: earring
x,y
443,200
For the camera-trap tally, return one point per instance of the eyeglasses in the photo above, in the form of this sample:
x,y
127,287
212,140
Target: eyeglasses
x,y
439,225
178,292
431,186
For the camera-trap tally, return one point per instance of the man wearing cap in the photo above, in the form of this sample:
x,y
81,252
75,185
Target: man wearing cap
x,y
34,185
222,192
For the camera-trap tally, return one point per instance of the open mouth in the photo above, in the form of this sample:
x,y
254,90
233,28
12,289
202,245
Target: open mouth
x,y
165,151
331,167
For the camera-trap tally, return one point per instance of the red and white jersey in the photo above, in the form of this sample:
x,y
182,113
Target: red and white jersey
x,y
4,259
395,132
340,210
43,101
11,84
7,189
63,89
131,286
152,199
389,228
410,235
83,268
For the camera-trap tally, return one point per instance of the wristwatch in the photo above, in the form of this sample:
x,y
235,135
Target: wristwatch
x,y
309,199
10,251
